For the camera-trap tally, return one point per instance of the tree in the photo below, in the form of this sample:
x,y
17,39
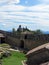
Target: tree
x,y
38,32
25,29
19,30
13,31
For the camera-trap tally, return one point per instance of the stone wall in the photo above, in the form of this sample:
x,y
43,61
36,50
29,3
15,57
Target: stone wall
x,y
38,58
46,63
30,42
38,55
13,41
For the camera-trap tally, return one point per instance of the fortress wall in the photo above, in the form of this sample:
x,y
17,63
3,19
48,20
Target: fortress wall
x,y
13,41
30,42
36,41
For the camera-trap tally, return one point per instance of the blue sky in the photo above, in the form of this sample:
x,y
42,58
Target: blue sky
x,y
31,13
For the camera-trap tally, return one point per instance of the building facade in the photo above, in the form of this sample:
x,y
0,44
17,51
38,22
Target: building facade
x,y
25,40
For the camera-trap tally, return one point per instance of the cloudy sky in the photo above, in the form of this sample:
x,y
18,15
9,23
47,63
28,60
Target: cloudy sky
x,y
31,13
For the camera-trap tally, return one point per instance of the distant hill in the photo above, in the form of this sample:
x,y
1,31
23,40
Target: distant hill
x,y
9,31
46,32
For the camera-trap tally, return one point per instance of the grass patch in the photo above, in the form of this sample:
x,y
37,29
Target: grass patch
x,y
14,59
4,45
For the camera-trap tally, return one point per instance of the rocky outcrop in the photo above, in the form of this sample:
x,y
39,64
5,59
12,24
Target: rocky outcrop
x,y
46,63
38,55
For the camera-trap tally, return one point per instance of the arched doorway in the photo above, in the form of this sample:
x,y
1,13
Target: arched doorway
x,y
2,40
21,44
25,36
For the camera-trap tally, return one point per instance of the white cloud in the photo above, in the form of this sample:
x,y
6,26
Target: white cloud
x,y
40,8
12,8
44,1
37,15
14,1
11,14
10,1
4,24
2,1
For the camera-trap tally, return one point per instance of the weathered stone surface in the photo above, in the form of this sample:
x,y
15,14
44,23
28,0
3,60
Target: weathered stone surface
x,y
1,35
46,63
30,41
6,54
38,55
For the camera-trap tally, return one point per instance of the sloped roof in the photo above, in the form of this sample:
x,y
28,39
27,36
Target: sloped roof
x,y
26,32
38,48
1,35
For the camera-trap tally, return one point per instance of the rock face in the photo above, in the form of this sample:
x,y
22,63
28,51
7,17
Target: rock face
x,y
6,54
46,63
38,55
